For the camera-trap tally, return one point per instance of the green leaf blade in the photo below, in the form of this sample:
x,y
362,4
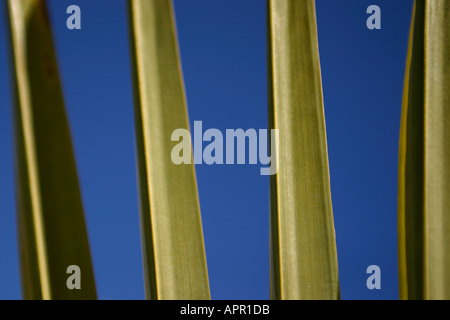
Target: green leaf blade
x,y
172,237
303,249
424,176
52,231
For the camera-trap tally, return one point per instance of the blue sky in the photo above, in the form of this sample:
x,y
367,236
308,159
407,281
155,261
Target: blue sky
x,y
223,51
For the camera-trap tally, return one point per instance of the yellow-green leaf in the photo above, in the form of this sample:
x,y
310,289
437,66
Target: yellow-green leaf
x,y
303,249
173,249
424,157
52,232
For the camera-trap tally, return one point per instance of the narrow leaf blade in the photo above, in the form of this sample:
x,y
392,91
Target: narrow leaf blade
x,y
173,248
424,176
52,232
303,249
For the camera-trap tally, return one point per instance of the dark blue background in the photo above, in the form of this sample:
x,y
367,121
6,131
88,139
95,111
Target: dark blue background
x,y
223,49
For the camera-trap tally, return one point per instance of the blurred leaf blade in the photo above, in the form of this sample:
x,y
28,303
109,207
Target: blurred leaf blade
x,y
173,248
52,231
303,248
423,203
